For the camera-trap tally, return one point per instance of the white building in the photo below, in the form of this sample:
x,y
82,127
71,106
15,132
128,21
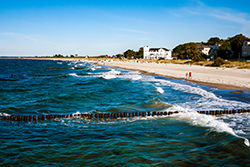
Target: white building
x,y
156,53
204,49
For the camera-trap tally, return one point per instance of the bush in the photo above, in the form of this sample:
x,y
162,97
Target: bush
x,y
218,62
197,58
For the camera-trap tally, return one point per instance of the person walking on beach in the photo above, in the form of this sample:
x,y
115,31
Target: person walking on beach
x,y
190,74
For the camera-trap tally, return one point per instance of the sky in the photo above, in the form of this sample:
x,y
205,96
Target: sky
x,y
98,27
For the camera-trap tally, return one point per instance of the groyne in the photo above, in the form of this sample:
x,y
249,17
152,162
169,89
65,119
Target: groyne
x,y
99,116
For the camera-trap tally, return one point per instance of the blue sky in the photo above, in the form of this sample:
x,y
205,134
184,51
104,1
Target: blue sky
x,y
95,27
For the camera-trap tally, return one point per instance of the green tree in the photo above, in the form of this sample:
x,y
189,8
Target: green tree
x,y
139,54
187,51
130,54
225,51
213,41
103,56
58,55
236,45
119,56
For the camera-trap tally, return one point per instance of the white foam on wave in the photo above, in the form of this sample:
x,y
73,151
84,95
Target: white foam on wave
x,y
4,114
215,104
132,76
136,77
98,67
209,121
76,113
182,87
160,90
207,99
186,88
73,74
239,122
110,74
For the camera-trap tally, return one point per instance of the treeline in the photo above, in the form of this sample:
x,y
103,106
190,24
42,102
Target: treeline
x,y
61,56
229,49
131,54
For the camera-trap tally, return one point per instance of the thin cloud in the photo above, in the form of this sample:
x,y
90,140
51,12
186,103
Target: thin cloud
x,y
201,9
18,35
232,17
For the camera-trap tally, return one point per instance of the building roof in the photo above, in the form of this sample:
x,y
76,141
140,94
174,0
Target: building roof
x,y
156,49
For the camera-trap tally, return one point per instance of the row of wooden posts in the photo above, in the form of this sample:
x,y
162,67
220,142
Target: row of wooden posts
x,y
110,115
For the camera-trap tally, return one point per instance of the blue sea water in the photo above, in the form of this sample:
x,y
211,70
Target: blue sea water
x,y
37,87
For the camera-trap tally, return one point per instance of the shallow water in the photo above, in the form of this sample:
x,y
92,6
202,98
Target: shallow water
x,y
37,87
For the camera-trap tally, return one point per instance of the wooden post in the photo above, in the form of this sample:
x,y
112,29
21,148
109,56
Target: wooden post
x,y
34,118
129,115
154,113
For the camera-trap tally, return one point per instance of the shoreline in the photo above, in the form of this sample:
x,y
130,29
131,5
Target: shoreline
x,y
237,80
223,78
216,85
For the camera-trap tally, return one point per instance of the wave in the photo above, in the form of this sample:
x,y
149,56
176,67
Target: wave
x,y
160,90
4,114
73,74
209,121
132,76
187,88
208,100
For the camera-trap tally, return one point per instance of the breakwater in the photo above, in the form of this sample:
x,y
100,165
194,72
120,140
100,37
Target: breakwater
x,y
100,116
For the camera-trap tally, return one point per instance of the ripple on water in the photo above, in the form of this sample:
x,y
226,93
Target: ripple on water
x,y
184,139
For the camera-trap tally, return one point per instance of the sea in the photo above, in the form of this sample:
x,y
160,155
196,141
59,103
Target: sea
x,y
187,138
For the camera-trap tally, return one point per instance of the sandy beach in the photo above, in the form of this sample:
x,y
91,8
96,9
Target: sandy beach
x,y
223,78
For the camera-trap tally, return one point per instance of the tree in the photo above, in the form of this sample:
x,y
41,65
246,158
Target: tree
x,y
213,41
103,56
187,51
139,54
236,45
58,55
119,56
225,51
130,54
